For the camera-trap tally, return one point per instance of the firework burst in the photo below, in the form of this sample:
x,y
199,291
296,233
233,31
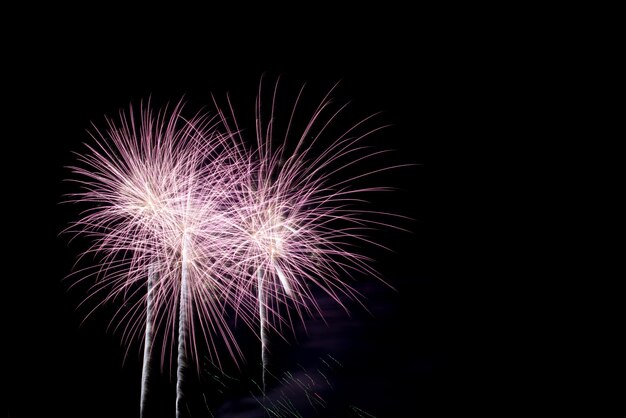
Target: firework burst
x,y
188,221
157,185
297,221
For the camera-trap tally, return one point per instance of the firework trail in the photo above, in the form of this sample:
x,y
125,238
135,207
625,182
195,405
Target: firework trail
x,y
145,370
297,226
261,298
158,185
182,327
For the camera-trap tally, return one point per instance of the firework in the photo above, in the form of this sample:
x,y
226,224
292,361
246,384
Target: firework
x,y
296,219
157,186
187,220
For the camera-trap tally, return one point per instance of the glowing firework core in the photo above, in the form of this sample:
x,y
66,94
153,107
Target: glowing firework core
x,y
270,234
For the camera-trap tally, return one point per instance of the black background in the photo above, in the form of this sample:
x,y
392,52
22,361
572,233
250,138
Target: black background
x,y
409,358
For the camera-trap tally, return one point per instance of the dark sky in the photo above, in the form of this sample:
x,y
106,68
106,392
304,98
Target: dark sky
x,y
403,359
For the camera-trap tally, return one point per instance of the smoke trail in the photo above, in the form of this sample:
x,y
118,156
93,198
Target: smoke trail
x,y
147,349
262,320
182,328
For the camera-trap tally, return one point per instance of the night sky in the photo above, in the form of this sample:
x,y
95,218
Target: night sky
x,y
400,359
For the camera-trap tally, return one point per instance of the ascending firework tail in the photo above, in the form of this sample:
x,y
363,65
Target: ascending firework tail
x,y
182,329
262,320
147,349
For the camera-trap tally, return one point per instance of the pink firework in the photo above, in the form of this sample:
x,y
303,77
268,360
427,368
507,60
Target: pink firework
x,y
158,188
186,221
296,217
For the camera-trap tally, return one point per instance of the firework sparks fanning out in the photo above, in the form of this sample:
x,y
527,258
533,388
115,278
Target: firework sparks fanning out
x,y
158,185
295,224
189,221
